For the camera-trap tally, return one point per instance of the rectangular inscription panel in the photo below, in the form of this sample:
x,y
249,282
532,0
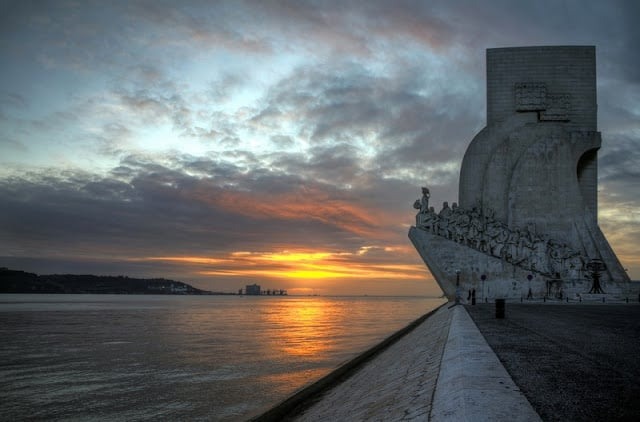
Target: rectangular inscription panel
x,y
530,96
557,108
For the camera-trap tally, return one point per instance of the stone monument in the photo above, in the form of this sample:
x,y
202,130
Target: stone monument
x,y
527,220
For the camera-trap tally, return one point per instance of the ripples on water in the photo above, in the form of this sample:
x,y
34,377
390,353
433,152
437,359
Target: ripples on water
x,y
112,357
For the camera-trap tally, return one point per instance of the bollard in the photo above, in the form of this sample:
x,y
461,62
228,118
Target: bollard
x,y
567,299
602,299
544,299
500,308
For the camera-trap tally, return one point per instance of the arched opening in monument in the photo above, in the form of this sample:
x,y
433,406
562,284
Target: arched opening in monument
x,y
587,173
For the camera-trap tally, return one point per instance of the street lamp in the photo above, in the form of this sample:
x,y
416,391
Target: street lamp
x,y
457,287
596,266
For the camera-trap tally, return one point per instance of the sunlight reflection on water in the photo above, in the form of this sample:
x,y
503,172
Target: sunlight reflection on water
x,y
179,357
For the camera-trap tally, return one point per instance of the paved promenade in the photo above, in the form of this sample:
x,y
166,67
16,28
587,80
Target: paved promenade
x,y
573,362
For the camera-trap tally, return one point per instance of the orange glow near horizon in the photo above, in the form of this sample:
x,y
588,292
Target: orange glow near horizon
x,y
183,259
309,204
298,265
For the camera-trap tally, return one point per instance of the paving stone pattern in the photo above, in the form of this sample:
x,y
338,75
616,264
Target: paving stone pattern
x,y
572,362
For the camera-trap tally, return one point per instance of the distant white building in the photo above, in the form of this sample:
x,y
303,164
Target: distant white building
x,y
178,288
253,289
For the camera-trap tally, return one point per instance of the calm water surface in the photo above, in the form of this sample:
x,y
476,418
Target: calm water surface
x,y
118,357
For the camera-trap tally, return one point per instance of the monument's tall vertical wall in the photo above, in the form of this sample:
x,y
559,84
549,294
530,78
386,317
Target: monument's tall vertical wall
x,y
567,70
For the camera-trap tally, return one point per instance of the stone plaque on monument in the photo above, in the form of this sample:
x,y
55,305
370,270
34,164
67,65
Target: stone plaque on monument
x,y
530,96
557,107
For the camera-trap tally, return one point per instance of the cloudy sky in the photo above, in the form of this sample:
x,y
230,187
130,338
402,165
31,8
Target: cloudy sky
x,y
278,142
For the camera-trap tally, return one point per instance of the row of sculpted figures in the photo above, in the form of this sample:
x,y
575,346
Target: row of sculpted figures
x,y
483,232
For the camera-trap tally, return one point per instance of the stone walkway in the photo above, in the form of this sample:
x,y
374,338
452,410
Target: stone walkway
x,y
472,384
574,362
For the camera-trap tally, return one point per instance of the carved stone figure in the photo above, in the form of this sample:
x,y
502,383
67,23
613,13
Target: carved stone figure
x,y
428,220
424,201
475,229
513,241
461,226
443,221
539,255
422,205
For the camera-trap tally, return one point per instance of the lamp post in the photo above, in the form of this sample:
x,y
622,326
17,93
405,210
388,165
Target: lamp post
x,y
596,266
457,287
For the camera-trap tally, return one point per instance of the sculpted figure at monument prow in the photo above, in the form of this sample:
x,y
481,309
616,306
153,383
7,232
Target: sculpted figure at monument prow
x,y
528,205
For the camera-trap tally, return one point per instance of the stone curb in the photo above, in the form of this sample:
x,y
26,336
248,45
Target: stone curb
x,y
472,384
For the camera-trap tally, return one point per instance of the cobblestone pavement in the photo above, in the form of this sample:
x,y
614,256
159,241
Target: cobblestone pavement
x,y
572,362
398,385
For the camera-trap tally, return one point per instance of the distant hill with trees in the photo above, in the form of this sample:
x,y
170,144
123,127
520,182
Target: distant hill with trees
x,y
15,281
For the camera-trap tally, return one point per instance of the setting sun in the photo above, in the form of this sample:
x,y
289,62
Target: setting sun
x,y
302,270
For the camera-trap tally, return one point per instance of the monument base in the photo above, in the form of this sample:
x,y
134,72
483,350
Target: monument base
x,y
458,268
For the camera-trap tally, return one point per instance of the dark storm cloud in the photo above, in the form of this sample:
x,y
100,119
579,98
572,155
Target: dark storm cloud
x,y
334,103
348,102
620,172
83,35
400,125
198,24
336,164
148,208
354,28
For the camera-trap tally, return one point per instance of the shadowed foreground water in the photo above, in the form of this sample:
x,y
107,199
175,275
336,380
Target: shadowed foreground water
x,y
113,357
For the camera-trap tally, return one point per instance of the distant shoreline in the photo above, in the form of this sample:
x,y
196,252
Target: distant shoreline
x,y
16,281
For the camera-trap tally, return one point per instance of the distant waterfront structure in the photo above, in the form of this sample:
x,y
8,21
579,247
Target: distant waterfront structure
x,y
526,221
253,290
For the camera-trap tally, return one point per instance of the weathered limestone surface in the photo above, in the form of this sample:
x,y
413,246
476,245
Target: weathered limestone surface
x,y
444,258
528,185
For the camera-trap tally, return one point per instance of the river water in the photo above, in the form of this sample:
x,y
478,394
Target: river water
x,y
119,357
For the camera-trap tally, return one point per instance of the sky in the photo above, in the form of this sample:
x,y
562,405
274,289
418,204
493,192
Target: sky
x,y
276,142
